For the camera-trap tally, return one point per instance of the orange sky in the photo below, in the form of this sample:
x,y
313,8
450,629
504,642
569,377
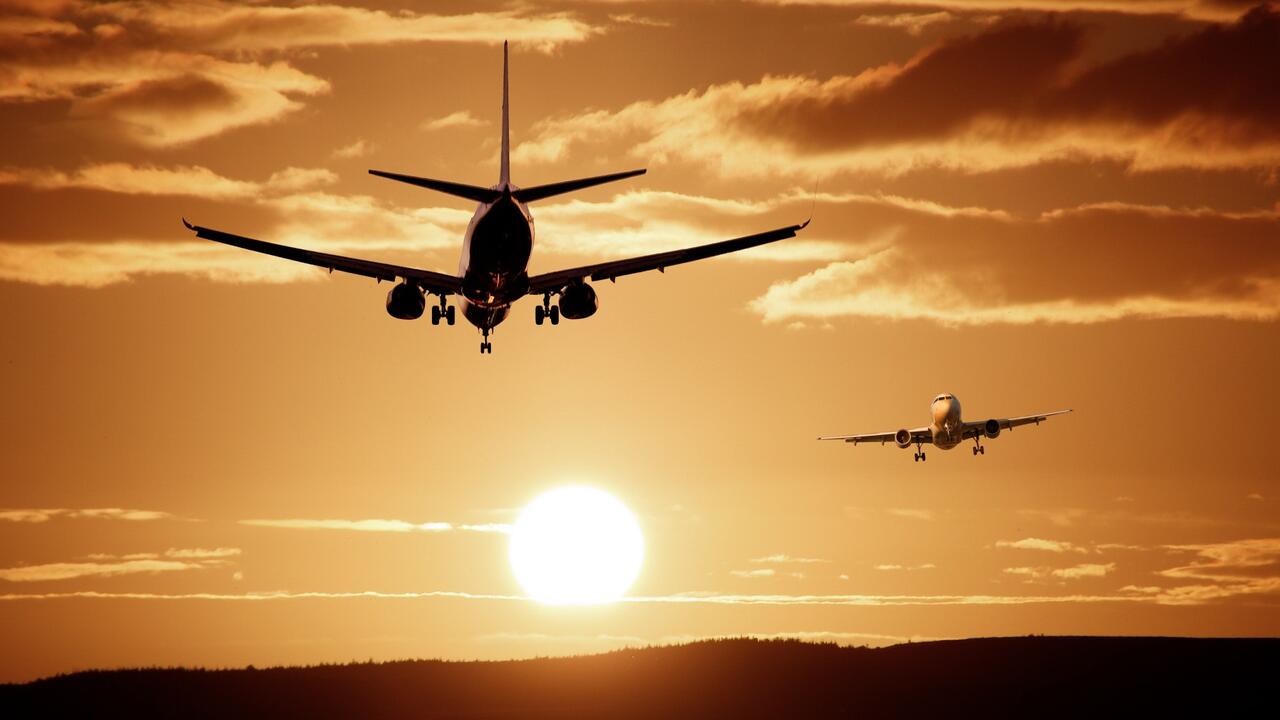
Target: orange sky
x,y
1030,209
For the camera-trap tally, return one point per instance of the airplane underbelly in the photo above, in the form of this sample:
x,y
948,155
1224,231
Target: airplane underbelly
x,y
484,317
499,251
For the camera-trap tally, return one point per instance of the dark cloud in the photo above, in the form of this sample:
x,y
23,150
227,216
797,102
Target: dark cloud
x,y
1021,80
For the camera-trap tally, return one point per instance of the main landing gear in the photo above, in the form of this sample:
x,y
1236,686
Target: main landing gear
x,y
977,446
919,453
486,347
546,311
443,310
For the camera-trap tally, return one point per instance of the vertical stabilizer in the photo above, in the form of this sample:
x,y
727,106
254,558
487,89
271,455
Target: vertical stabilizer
x,y
504,174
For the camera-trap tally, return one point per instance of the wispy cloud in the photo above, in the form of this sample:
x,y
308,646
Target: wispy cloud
x,y
108,565
358,148
783,558
458,119
190,180
757,573
164,74
1225,570
378,525
895,566
693,598
911,513
1056,546
1037,106
1075,572
40,515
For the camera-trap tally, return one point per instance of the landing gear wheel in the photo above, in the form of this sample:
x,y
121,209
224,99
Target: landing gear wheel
x,y
922,457
916,457
486,348
450,315
435,315
554,314
539,315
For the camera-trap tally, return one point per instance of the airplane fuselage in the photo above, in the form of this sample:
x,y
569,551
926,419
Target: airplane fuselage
x,y
947,427
494,265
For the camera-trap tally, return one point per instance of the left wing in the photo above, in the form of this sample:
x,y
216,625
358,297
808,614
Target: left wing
x,y
432,282
553,281
918,435
975,428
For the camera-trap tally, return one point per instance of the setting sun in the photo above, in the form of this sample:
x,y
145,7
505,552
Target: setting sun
x,y
576,546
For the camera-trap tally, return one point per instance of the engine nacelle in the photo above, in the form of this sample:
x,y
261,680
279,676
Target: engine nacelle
x,y
578,301
991,429
902,438
406,302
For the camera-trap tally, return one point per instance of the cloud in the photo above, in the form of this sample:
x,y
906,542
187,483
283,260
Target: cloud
x,y
694,598
67,571
1085,570
378,525
165,74
1225,570
1200,9
40,515
359,148
912,513
1055,546
1068,266
363,226
202,553
757,573
895,566
782,558
459,119
1037,102
912,23
181,180
1075,572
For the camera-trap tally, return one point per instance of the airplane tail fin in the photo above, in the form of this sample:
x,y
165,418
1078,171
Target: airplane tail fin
x,y
504,174
488,195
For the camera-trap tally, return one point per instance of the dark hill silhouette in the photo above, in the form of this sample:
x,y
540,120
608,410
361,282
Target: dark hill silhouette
x,y
1002,677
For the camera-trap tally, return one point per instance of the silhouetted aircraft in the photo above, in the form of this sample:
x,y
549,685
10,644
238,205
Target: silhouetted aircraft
x,y
492,273
947,430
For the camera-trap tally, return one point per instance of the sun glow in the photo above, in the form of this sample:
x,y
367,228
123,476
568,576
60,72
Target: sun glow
x,y
576,546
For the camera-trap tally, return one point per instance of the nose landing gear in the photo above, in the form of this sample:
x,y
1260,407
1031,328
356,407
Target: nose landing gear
x,y
486,347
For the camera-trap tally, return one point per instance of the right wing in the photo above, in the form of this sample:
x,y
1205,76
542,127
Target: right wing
x,y
918,435
432,282
553,281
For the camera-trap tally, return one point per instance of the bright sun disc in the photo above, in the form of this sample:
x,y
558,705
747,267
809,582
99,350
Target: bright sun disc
x,y
576,546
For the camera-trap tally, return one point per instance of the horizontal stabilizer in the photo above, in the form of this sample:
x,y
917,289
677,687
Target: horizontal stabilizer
x,y
538,192
471,192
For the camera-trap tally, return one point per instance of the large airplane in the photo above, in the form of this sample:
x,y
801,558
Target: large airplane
x,y
493,271
947,430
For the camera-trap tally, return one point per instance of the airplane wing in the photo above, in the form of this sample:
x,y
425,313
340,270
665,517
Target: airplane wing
x,y
918,435
614,269
975,428
432,282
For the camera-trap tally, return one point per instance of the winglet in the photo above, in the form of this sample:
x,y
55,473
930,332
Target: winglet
x,y
189,225
504,173
806,222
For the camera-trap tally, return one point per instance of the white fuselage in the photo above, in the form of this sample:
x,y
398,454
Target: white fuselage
x,y
947,427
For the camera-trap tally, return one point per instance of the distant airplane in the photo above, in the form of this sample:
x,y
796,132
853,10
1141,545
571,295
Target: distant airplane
x,y
492,273
947,430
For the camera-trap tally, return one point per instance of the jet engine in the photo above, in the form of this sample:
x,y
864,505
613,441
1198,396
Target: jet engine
x,y
578,301
903,438
991,429
406,302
